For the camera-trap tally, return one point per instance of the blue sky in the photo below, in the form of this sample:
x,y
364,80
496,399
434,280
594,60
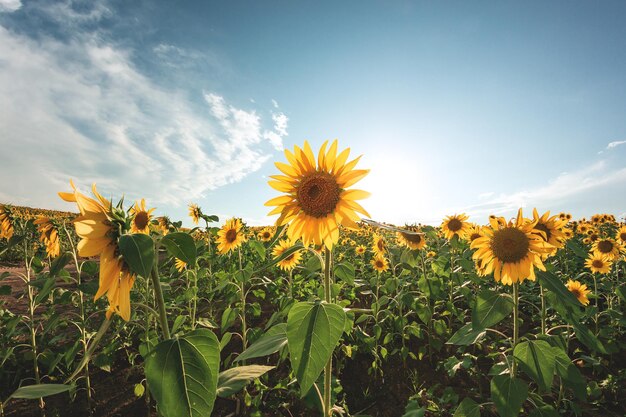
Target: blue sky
x,y
476,107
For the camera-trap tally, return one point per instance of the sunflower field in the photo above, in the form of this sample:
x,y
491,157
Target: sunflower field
x,y
115,310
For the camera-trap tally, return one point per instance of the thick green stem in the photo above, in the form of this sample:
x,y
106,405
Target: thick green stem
x,y
515,325
595,291
329,365
158,295
242,290
543,309
33,335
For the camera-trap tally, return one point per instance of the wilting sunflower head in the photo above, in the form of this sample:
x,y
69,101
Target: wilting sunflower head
x,y
140,218
456,224
510,250
607,247
6,222
598,263
230,236
292,260
379,263
49,235
550,229
317,199
414,241
195,213
579,290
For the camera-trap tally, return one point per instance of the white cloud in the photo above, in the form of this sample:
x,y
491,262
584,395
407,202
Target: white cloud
x,y
615,144
10,5
81,109
274,103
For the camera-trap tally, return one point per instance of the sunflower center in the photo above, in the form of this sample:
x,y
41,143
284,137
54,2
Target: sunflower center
x,y
576,292
266,235
141,220
597,263
231,235
318,194
605,246
455,225
509,244
412,238
622,236
289,258
380,244
545,229
379,264
474,236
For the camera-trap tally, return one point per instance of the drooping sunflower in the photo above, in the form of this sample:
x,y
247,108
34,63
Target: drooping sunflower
x,y
140,218
379,263
6,222
579,290
291,260
379,246
550,229
607,247
598,263
265,235
95,226
49,235
164,224
410,240
317,199
511,251
180,265
360,250
195,213
230,236
456,224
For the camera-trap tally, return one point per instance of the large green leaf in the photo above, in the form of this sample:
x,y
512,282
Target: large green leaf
x,y
138,252
232,380
313,331
182,374
345,272
556,286
182,246
544,411
536,358
271,342
468,408
490,308
508,394
31,392
466,335
59,263
569,374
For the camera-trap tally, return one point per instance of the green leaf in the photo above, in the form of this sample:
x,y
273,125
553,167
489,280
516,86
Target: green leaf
x,y
544,411
182,374
466,335
5,290
569,374
576,248
345,272
233,380
45,290
271,342
138,252
490,308
258,248
467,408
59,263
182,246
536,358
556,286
32,392
508,394
313,331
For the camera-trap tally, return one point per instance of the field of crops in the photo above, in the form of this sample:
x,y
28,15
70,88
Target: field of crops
x,y
119,311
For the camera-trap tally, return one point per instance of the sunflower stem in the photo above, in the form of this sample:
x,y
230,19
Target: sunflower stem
x,y
515,325
158,296
329,365
543,309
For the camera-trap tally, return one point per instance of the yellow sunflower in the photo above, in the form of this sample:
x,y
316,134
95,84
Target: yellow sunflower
x,y
49,235
379,246
266,234
431,254
550,229
99,238
317,199
195,213
455,225
607,247
620,235
474,232
360,250
511,252
598,263
411,241
6,222
140,218
579,290
230,236
180,265
380,264
164,224
290,261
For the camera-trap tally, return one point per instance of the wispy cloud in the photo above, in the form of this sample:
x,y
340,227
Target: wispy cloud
x,y
80,108
615,144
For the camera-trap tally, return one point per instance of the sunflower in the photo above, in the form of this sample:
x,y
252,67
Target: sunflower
x,y
455,225
230,236
360,250
316,199
140,218
290,261
550,229
379,246
180,265
607,247
620,235
99,233
266,234
431,254
6,222
579,290
49,235
195,213
164,224
411,241
474,232
598,263
511,252
380,264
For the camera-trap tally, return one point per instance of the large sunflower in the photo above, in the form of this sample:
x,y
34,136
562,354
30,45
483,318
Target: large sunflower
x,y
6,222
550,229
598,263
410,240
290,261
49,235
456,224
99,234
510,250
140,218
230,236
317,199
579,290
607,247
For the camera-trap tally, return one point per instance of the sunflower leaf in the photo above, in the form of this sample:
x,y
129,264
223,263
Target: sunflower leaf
x,y
536,358
508,395
181,246
490,308
138,253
